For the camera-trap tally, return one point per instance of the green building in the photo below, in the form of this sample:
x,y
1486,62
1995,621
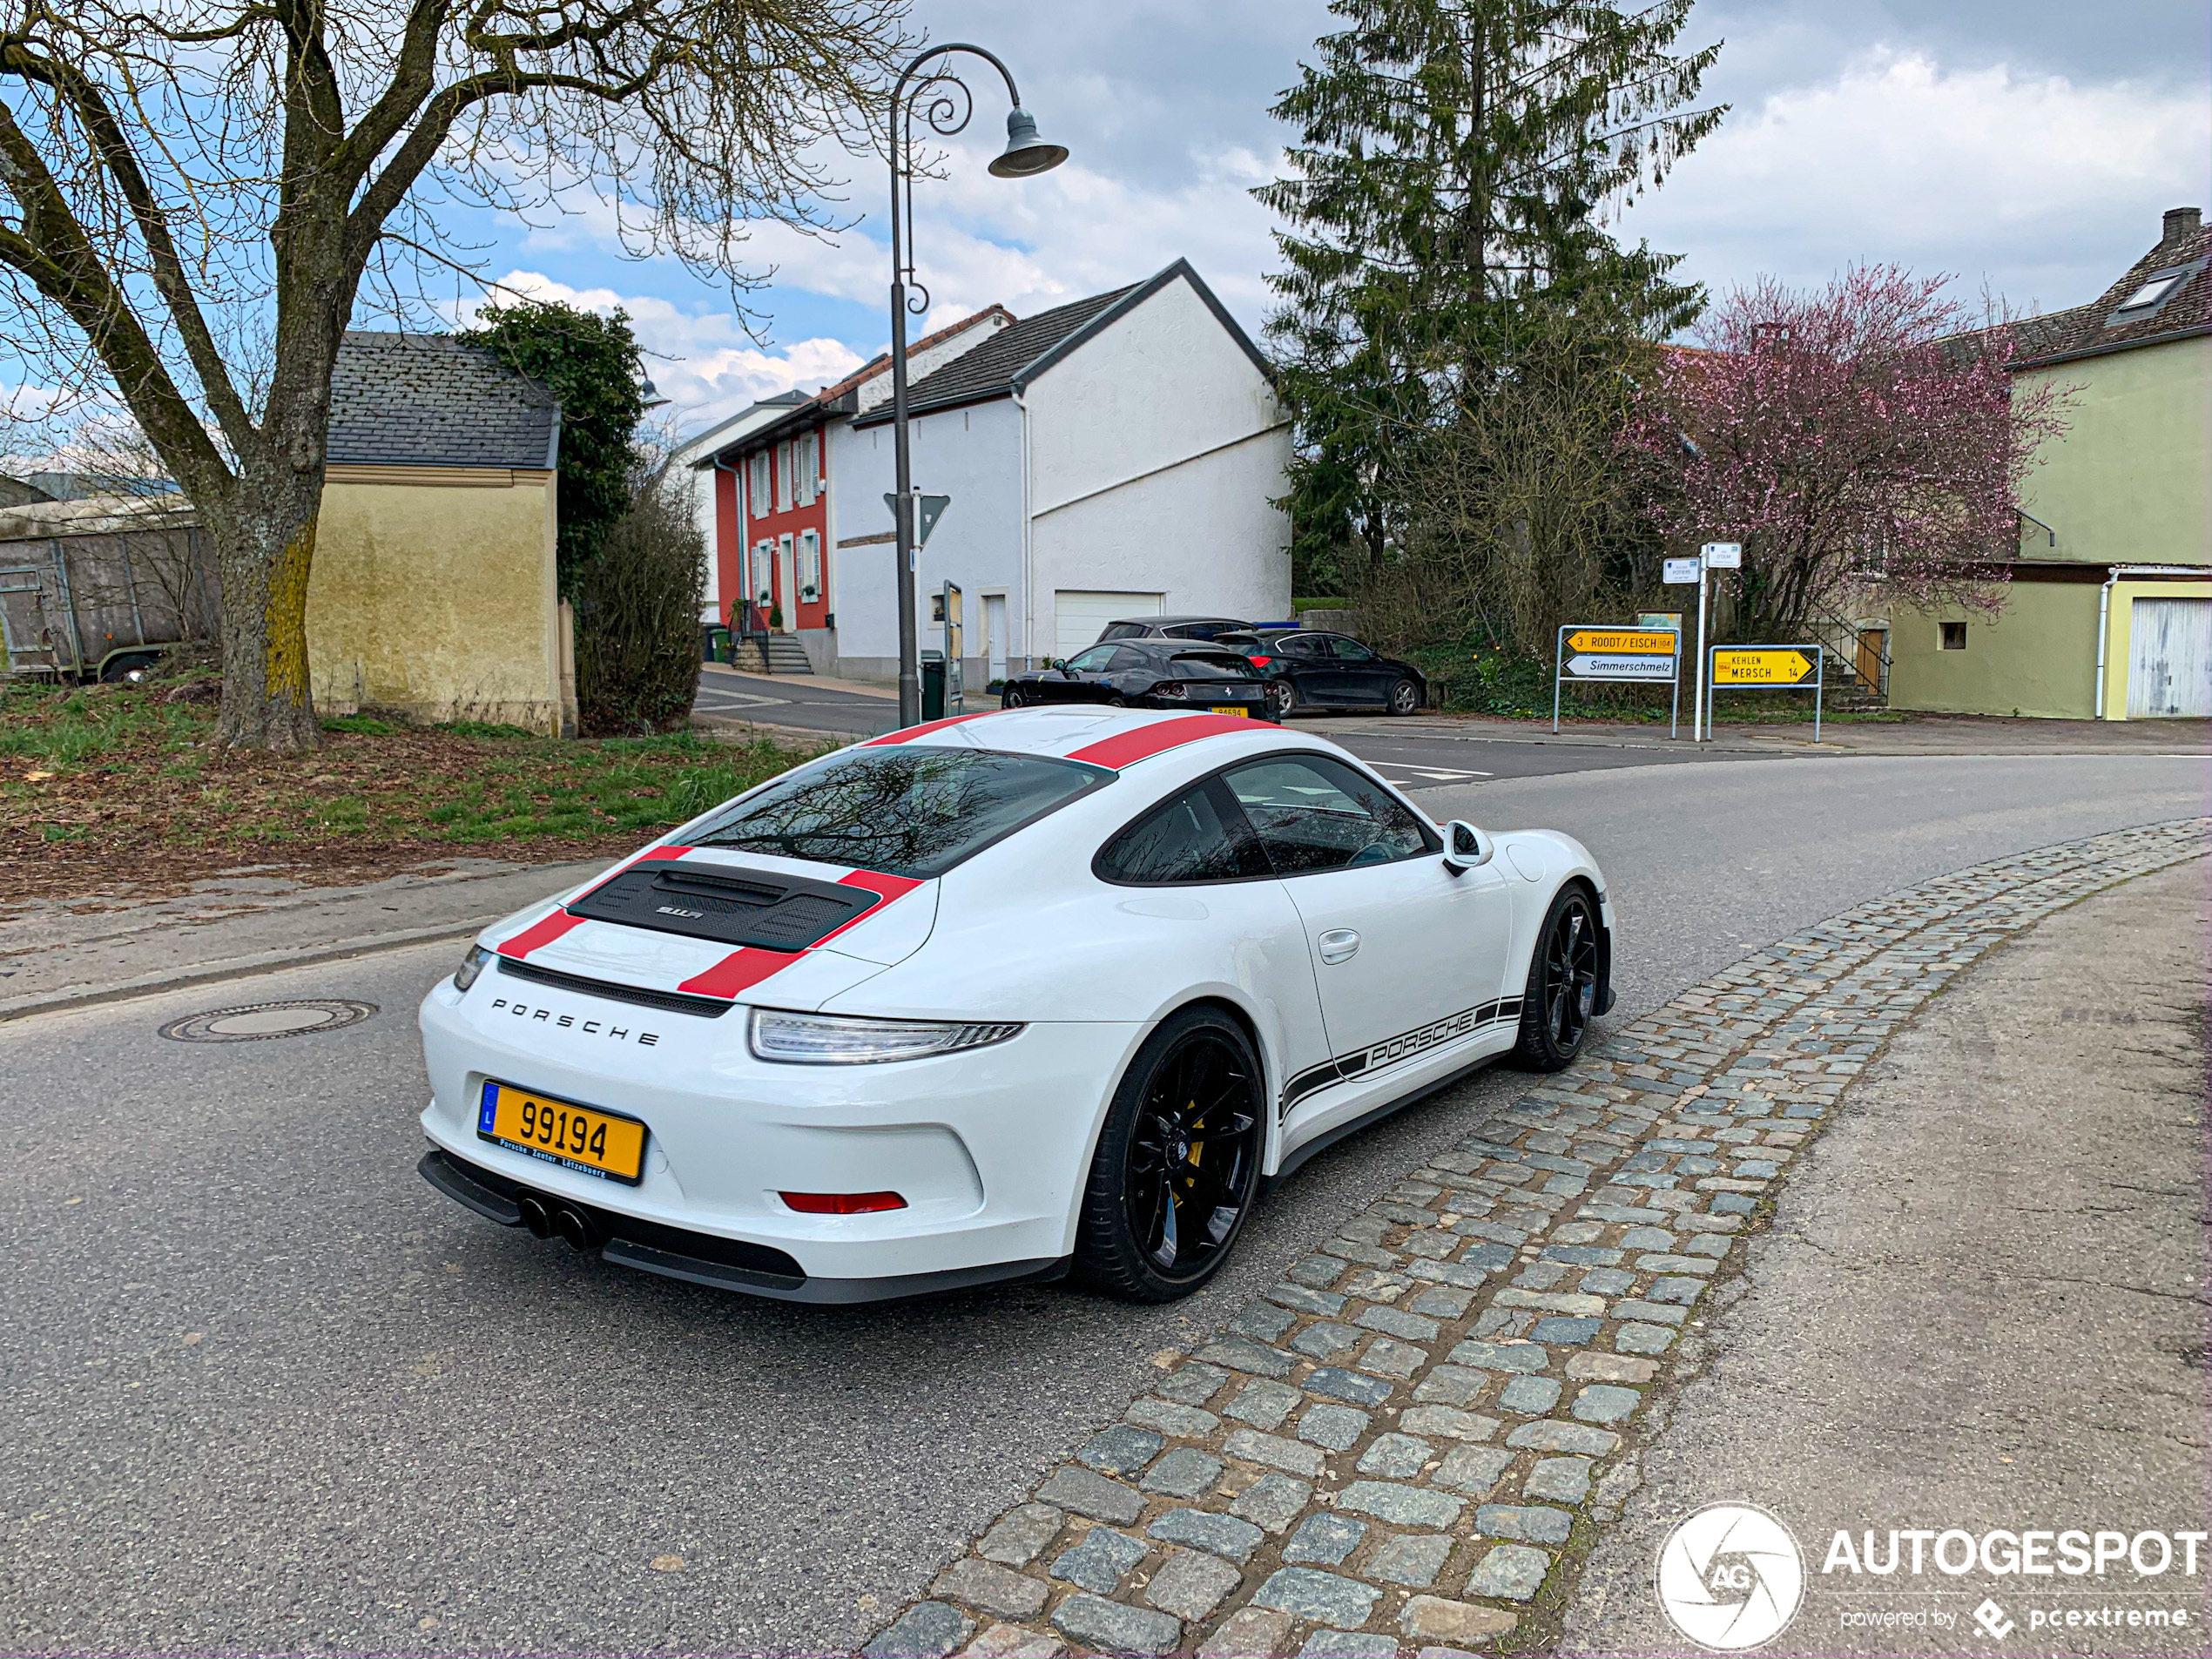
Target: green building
x,y
2109,615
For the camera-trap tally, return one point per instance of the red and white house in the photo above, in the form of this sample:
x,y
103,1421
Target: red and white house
x,y
775,529
1117,455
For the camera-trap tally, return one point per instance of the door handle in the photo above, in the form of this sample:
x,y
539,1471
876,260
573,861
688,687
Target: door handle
x,y
1338,945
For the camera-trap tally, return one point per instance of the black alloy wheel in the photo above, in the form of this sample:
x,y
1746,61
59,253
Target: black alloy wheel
x,y
1282,697
1015,697
1406,698
1561,992
1177,1164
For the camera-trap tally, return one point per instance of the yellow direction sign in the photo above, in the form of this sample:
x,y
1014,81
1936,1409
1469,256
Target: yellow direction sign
x,y
1776,665
1635,641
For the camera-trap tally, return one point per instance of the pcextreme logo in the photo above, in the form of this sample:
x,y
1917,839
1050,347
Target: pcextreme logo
x,y
1730,1577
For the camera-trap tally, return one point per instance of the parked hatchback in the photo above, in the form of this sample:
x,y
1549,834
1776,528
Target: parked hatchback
x,y
1147,674
1308,669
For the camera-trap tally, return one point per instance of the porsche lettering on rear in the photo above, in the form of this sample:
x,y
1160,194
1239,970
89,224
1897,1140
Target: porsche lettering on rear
x,y
1004,996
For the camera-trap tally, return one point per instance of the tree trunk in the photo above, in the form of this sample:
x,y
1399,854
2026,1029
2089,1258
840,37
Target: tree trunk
x,y
265,560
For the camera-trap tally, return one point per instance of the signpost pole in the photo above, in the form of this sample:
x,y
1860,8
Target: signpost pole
x,y
1559,660
1698,720
1819,679
1674,701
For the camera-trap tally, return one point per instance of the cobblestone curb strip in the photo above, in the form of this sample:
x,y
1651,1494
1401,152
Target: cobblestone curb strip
x,y
1383,1454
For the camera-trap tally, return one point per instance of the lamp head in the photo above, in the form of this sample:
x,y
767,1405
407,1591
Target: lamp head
x,y
1025,152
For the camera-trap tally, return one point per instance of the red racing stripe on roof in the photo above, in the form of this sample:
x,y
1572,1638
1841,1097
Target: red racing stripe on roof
x,y
1124,748
909,733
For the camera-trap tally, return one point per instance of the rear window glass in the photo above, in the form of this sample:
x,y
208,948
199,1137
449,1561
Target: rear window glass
x,y
913,811
1209,666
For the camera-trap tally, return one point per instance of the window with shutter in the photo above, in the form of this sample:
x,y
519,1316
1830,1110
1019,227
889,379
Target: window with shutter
x,y
808,466
810,565
758,483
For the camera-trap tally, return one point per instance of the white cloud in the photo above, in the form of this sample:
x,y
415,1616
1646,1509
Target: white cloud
x,y
2047,188
701,360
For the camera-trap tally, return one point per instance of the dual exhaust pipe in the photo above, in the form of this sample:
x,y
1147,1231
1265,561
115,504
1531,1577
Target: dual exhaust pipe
x,y
552,1218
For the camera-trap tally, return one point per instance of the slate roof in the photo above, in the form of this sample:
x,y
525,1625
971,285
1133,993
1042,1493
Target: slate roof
x,y
2101,326
428,400
990,370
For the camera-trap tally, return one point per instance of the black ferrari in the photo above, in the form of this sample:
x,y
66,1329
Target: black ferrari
x,y
1147,674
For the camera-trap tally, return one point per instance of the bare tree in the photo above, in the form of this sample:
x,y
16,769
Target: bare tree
x,y
196,194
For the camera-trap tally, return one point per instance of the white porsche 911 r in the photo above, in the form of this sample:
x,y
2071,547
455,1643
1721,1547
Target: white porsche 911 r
x,y
993,998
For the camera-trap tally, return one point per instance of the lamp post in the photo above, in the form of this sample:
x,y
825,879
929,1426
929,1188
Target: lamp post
x,y
942,98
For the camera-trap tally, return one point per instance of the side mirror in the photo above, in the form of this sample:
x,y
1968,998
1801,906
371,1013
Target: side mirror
x,y
1466,847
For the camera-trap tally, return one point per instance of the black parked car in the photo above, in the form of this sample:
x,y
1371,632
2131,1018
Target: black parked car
x,y
1306,668
1147,674
1173,628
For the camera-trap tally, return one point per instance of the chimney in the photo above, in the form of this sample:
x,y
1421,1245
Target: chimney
x,y
2182,221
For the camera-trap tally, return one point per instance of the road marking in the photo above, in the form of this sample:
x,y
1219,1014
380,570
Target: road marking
x,y
1424,776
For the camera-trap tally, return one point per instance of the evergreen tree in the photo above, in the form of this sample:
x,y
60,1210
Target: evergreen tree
x,y
1453,155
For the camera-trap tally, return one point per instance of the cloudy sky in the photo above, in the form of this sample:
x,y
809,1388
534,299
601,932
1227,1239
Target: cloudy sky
x,y
2028,146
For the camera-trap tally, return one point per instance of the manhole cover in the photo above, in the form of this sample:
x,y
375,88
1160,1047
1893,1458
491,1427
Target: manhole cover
x,y
259,1021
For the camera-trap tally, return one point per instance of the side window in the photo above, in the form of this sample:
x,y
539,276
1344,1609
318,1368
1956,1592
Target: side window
x,y
1198,836
1313,813
1350,650
1304,649
1093,660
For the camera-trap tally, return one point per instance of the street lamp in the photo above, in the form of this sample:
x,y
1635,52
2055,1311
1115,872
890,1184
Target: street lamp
x,y
947,108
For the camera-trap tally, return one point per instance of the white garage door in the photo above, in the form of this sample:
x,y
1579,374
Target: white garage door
x,y
1080,616
2170,658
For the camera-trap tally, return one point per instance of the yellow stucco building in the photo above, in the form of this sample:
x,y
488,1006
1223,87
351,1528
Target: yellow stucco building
x,y
2109,615
432,591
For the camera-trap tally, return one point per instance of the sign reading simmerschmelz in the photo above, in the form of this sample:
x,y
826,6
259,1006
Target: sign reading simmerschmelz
x,y
1588,653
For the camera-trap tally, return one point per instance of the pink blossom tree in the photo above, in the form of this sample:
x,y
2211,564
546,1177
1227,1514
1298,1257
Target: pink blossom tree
x,y
1859,432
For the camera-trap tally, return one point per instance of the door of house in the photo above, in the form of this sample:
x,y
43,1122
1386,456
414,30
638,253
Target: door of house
x,y
2170,658
994,636
787,584
1873,645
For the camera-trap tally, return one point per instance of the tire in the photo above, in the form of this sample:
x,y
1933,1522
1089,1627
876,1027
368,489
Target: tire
x,y
1014,697
1406,698
116,670
1282,698
1138,1239
1561,991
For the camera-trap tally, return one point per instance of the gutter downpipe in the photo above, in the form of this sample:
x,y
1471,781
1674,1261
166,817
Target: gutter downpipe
x,y
2104,633
1028,548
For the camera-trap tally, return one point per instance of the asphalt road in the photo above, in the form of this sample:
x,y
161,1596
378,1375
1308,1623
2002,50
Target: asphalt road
x,y
1409,759
268,1391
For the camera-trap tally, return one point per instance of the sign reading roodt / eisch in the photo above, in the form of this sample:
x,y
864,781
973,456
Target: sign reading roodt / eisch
x,y
1776,665
1634,640
1650,655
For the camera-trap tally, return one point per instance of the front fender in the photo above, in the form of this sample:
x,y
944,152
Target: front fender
x,y
1545,861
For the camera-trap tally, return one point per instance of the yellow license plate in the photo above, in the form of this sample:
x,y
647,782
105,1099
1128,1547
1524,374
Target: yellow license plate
x,y
1246,713
560,1131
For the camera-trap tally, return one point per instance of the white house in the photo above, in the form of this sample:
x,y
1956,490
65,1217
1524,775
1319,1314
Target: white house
x,y
1115,456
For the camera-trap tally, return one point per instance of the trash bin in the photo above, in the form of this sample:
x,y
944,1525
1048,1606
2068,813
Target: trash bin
x,y
932,685
718,644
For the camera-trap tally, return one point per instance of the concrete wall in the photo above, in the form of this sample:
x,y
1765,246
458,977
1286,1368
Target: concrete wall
x,y
974,456
2037,657
2126,482
432,592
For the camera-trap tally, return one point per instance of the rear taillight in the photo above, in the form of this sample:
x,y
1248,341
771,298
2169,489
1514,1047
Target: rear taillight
x,y
1259,662
1168,688
842,1203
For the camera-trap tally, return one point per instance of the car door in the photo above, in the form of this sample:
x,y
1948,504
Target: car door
x,y
1196,878
1366,678
1410,957
1085,681
1306,663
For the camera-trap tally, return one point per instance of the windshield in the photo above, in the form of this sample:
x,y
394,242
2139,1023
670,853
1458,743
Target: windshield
x,y
911,810
1209,665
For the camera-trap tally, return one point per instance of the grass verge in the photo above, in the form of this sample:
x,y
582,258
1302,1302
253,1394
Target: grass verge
x,y
120,787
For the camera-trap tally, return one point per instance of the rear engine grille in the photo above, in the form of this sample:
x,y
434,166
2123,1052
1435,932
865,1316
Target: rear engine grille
x,y
706,1008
